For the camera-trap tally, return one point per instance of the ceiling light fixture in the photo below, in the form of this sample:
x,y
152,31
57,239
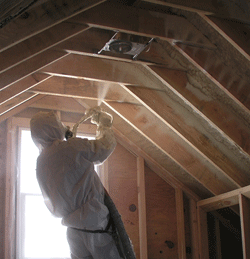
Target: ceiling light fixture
x,y
122,43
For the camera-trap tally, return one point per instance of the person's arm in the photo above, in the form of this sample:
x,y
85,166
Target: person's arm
x,y
98,150
103,145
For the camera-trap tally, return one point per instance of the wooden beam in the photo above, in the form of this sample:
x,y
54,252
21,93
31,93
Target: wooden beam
x,y
206,94
92,40
245,226
194,229
40,18
21,86
59,103
229,9
10,192
157,168
81,88
203,234
142,22
84,128
224,200
93,67
234,32
142,208
225,52
218,239
180,224
197,129
166,168
20,106
158,132
224,105
39,43
29,66
85,67
16,101
236,84
10,9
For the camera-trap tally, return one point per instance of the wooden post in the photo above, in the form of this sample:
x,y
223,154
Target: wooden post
x,y
180,224
203,234
218,240
142,208
245,225
10,198
194,229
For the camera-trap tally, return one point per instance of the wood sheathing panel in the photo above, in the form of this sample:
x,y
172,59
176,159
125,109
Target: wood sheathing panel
x,y
2,185
161,217
122,168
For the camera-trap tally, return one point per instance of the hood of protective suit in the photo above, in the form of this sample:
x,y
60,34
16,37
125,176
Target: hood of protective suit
x,y
46,128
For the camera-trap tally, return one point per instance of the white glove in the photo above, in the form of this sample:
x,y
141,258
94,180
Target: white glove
x,y
99,117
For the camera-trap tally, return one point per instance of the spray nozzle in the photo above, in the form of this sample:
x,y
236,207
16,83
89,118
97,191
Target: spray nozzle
x,y
98,117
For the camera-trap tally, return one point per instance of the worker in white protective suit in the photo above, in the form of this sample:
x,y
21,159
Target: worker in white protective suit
x,y
70,186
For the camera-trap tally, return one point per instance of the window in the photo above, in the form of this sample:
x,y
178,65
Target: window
x,y
40,235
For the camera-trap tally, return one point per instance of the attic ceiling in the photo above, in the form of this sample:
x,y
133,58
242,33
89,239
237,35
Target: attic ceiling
x,y
182,102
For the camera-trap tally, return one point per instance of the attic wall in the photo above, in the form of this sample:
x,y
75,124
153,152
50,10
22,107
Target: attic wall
x,y
122,187
160,205
2,185
161,217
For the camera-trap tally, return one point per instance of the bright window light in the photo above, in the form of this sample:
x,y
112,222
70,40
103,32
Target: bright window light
x,y
41,234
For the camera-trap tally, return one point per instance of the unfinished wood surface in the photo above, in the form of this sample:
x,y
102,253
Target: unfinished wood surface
x,y
153,165
156,153
93,67
39,19
81,88
10,194
204,92
58,103
235,32
194,229
145,23
21,86
203,233
77,88
196,128
236,84
245,226
16,101
123,190
10,9
174,146
180,224
29,66
21,106
225,51
224,200
94,39
232,9
218,239
39,43
161,217
142,208
199,132
3,146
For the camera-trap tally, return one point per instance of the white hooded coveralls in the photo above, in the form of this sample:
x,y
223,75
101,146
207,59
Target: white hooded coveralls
x,y
70,186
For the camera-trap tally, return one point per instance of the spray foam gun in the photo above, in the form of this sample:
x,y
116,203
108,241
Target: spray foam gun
x,y
98,117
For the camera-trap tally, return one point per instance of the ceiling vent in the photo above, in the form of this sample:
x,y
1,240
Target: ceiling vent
x,y
122,43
